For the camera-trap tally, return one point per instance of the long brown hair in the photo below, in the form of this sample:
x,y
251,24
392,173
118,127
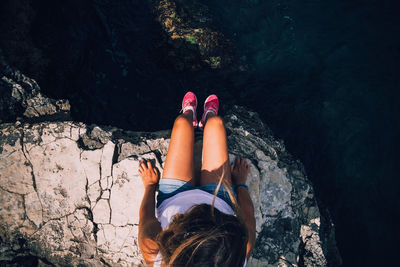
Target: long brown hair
x,y
204,236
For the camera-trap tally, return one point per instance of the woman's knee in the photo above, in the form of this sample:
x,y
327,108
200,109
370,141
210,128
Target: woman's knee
x,y
182,120
215,121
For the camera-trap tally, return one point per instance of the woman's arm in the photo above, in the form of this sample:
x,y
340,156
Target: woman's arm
x,y
239,172
149,226
247,208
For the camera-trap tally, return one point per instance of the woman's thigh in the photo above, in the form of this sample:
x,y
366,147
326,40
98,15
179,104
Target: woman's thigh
x,y
215,153
179,162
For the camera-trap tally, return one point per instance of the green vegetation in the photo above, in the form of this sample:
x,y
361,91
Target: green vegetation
x,y
214,62
191,39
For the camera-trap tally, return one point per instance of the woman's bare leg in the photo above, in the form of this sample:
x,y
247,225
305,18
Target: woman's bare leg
x,y
215,152
179,162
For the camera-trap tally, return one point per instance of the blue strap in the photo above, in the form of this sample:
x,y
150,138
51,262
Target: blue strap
x,y
238,185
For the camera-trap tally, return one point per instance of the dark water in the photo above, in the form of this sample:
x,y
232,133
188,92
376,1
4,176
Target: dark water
x,y
322,74
326,81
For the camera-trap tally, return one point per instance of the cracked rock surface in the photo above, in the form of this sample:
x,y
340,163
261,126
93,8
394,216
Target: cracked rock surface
x,y
70,194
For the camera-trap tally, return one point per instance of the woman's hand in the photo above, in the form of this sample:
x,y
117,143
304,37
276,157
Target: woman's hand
x,y
239,171
150,175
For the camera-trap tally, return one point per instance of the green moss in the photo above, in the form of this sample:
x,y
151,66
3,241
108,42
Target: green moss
x,y
191,39
214,62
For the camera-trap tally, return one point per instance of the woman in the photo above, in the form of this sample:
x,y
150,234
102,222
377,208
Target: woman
x,y
198,223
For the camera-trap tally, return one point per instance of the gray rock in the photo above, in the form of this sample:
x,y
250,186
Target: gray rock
x,y
68,204
20,97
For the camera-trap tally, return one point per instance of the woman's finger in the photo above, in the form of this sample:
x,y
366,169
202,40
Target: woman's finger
x,y
143,165
149,164
237,161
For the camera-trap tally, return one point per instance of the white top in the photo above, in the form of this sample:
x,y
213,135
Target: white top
x,y
183,201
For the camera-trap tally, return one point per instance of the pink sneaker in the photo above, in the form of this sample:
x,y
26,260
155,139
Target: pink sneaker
x,y
210,105
189,102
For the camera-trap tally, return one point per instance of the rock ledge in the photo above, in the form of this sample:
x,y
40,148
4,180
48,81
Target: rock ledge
x,y
70,193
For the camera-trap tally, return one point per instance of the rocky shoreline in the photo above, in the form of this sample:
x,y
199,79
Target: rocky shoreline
x,y
70,192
